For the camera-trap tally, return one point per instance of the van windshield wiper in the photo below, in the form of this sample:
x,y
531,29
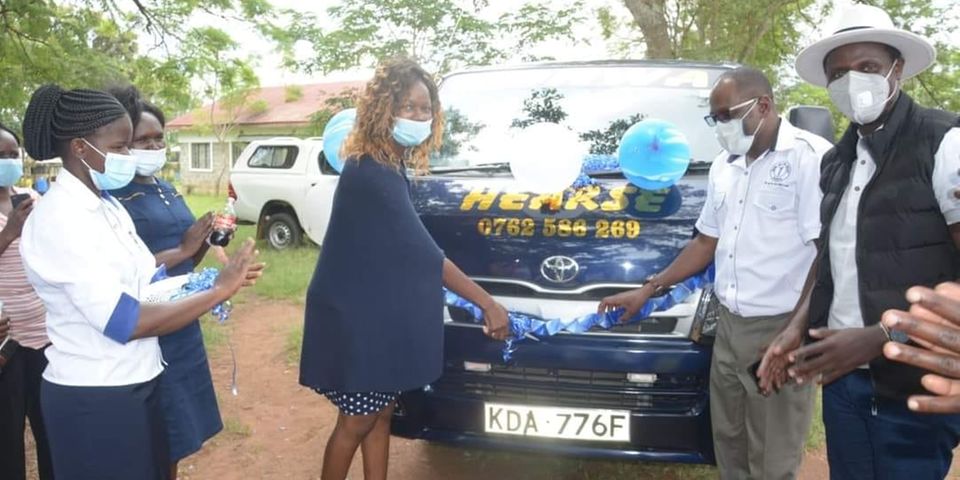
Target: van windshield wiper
x,y
483,167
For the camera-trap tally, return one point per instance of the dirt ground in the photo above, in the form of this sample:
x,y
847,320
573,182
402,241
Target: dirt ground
x,y
275,429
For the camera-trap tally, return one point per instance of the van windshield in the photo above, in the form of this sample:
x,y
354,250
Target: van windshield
x,y
599,102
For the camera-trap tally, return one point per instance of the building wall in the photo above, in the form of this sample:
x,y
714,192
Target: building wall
x,y
213,179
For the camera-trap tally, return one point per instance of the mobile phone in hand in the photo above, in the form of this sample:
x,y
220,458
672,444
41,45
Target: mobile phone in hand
x,y
19,198
753,369
7,348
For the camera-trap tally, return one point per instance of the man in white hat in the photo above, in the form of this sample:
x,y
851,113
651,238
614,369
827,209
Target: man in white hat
x,y
890,221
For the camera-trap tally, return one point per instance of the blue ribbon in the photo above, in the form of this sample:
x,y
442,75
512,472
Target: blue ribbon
x,y
201,281
524,325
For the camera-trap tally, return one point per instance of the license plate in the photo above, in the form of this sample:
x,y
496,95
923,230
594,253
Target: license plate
x,y
555,422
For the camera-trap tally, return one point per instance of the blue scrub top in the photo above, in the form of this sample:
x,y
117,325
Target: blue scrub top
x,y
161,217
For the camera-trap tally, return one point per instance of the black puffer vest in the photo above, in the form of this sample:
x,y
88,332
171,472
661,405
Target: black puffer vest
x,y
902,237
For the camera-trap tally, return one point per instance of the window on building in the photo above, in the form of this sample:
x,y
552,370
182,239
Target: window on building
x,y
201,156
236,149
273,156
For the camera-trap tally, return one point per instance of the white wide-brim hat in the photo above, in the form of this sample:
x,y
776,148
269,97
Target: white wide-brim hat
x,y
865,23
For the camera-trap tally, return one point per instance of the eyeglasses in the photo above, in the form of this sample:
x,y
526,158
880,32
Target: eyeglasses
x,y
724,117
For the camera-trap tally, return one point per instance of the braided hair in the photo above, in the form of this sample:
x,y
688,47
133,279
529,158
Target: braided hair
x,y
56,116
4,128
136,106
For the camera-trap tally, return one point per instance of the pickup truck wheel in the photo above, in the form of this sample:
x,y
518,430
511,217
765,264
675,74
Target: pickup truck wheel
x,y
283,231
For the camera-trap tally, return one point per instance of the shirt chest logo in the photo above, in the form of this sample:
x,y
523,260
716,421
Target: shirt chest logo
x,y
780,172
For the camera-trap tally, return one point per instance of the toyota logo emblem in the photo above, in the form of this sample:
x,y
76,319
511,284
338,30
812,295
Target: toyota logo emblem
x,y
559,269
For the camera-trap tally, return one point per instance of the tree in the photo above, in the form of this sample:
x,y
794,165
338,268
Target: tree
x,y
332,105
440,34
95,43
542,105
767,34
939,86
763,33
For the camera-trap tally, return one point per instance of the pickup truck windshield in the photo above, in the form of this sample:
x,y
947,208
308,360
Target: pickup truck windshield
x,y
599,102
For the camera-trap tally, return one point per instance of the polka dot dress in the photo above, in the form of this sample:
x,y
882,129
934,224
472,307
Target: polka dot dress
x,y
360,403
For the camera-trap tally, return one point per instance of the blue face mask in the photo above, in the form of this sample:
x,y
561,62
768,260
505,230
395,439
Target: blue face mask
x,y
11,169
118,169
411,133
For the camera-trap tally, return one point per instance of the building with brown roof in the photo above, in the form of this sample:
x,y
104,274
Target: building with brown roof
x,y
212,137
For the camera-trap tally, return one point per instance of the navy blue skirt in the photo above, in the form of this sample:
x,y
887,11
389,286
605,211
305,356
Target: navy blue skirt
x,y
106,433
188,399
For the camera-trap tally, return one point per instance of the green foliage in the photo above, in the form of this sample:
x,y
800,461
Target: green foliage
x,y
96,43
440,34
459,129
939,86
292,93
287,272
767,34
606,141
542,105
762,33
332,105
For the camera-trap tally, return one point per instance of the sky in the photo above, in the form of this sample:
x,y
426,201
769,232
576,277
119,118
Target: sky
x,y
271,74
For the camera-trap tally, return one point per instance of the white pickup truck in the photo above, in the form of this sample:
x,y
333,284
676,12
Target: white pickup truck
x,y
285,187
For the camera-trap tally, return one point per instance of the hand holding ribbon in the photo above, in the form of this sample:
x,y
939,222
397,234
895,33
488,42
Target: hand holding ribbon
x,y
524,325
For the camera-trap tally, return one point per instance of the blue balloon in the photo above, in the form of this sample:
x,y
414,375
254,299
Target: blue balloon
x,y
654,154
41,186
349,116
335,133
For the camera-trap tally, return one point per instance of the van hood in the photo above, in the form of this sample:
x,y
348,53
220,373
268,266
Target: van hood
x,y
609,233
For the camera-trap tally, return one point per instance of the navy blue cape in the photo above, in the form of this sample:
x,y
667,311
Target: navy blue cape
x,y
374,313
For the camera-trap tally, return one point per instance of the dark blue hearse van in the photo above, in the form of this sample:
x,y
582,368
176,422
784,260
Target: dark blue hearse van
x,y
634,392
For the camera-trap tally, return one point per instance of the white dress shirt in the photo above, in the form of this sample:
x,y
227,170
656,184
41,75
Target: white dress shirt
x,y
765,217
86,262
845,308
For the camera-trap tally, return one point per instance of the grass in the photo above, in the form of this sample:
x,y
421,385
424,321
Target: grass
x,y
214,334
292,344
235,426
818,433
287,273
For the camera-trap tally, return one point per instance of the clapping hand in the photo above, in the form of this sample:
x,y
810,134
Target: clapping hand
x,y
933,322
835,354
197,234
242,270
773,366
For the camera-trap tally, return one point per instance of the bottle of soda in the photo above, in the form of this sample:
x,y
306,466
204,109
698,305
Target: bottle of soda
x,y
223,226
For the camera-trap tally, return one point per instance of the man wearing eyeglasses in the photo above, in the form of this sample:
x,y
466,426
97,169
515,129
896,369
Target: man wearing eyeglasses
x,y
758,224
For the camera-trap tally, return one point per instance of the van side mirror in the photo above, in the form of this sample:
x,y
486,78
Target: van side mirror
x,y
325,167
813,119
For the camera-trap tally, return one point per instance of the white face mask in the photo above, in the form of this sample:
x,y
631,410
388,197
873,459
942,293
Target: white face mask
x,y
149,162
861,97
730,134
